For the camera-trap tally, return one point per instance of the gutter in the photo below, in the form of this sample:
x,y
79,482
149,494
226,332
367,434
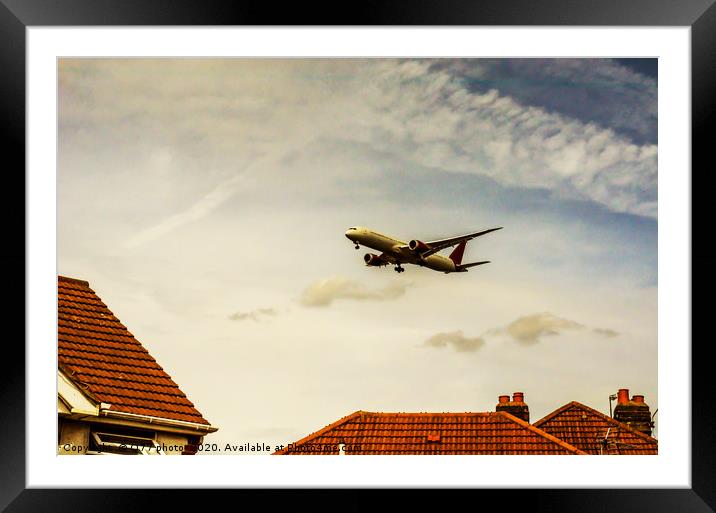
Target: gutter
x,y
158,420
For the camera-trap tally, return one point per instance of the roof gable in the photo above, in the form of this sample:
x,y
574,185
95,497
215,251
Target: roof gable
x,y
97,351
430,433
594,432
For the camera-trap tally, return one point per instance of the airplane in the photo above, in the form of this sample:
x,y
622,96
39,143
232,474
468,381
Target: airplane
x,y
414,252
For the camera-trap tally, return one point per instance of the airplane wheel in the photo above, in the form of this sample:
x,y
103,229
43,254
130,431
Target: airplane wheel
x,y
357,246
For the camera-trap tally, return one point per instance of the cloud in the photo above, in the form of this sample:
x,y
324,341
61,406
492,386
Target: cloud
x,y
601,91
499,118
439,121
324,292
254,315
200,209
457,340
529,329
606,332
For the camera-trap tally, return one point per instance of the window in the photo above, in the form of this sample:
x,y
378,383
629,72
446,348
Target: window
x,y
113,443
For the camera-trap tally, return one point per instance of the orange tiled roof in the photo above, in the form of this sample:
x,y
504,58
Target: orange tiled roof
x,y
98,351
586,428
431,433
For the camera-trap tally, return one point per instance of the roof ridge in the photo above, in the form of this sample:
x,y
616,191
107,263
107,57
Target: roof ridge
x,y
73,280
559,410
540,432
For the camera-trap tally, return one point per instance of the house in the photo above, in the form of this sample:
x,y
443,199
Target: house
x,y
112,395
505,431
596,433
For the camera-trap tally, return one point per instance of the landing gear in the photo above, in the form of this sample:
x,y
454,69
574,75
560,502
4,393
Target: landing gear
x,y
357,246
399,269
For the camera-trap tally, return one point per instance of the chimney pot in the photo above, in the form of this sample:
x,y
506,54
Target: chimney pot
x,y
623,396
504,399
638,399
518,397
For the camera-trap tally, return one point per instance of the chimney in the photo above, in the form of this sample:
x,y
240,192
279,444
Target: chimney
x,y
634,413
516,407
623,396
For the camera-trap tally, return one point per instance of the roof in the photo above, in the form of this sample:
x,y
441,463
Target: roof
x,y
594,432
430,433
97,351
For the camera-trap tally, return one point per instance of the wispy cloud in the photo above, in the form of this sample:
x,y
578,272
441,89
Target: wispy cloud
x,y
606,332
599,91
324,292
530,328
526,330
494,134
457,340
500,118
203,207
254,315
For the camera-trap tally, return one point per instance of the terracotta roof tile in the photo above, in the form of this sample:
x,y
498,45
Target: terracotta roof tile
x,y
98,351
594,432
407,433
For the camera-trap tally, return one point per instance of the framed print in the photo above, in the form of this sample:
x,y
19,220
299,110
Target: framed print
x,y
515,182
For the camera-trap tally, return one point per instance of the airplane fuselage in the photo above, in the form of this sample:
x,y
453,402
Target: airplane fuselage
x,y
396,252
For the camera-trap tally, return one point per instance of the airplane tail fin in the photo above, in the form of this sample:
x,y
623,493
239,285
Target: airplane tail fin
x,y
463,267
456,255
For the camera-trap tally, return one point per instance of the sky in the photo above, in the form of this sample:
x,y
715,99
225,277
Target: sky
x,y
206,200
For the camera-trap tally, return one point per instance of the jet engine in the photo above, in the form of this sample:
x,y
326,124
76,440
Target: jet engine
x,y
371,259
418,245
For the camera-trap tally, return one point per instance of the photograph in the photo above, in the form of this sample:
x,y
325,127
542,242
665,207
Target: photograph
x,y
357,256
452,242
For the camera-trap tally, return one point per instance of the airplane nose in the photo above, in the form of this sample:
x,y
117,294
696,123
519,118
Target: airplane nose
x,y
348,233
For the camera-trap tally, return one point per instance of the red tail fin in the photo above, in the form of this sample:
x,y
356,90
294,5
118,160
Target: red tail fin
x,y
456,255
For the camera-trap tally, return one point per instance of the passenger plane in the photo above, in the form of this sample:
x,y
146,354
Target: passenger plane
x,y
414,252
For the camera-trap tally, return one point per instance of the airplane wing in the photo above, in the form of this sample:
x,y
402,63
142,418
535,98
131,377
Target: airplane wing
x,y
387,258
439,245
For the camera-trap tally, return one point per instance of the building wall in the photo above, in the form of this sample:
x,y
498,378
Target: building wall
x,y
172,443
73,437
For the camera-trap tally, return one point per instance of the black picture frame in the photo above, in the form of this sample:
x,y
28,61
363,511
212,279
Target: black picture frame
x,y
17,15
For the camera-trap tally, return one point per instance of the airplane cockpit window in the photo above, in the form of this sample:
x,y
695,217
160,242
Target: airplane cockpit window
x,y
353,228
